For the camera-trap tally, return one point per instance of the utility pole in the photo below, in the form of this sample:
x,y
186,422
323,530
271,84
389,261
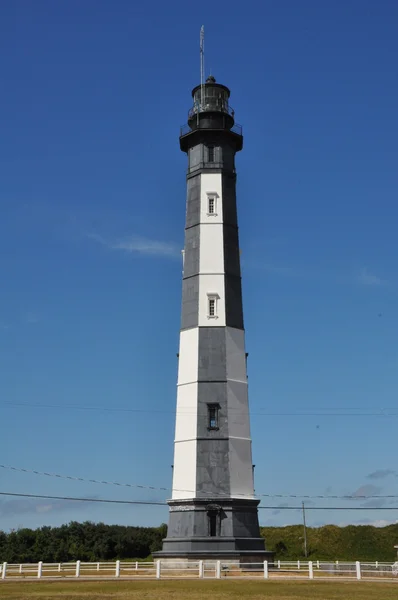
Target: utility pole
x,y
305,533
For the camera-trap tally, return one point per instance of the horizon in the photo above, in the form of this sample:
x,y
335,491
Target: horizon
x,y
375,525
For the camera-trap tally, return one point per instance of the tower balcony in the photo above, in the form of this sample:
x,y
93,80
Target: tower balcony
x,y
188,128
213,128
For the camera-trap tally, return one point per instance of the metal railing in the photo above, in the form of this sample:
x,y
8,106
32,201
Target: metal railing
x,y
211,569
211,104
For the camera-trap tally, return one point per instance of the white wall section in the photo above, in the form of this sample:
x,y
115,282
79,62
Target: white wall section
x,y
187,412
184,470
211,248
188,356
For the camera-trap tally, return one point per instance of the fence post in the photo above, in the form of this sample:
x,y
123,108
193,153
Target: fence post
x,y
298,565
218,569
266,569
4,570
310,570
377,564
98,566
136,565
20,569
39,569
117,572
279,564
59,567
358,569
317,564
201,569
158,568
77,568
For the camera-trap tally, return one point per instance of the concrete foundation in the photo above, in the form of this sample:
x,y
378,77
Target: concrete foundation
x,y
224,529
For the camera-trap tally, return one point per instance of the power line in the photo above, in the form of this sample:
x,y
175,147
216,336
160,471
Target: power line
x,y
72,478
43,496
307,508
164,489
147,503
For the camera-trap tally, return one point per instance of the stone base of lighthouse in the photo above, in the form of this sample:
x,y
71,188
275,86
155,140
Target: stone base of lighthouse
x,y
214,529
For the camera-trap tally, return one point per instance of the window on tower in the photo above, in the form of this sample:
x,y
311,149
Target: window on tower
x,y
212,204
210,154
212,306
212,416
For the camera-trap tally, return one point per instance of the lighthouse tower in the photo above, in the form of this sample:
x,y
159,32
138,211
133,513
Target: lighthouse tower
x,y
213,511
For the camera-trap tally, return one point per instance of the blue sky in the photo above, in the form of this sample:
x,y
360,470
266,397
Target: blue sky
x,y
92,191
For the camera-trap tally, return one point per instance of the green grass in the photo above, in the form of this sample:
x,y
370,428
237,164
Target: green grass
x,y
198,590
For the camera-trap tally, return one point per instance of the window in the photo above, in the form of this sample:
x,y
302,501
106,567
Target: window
x,y
212,415
212,306
212,524
212,204
210,154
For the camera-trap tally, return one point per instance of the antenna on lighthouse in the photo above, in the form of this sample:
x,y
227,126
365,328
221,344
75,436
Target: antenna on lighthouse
x,y
202,64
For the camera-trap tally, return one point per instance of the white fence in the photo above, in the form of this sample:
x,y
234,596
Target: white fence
x,y
337,570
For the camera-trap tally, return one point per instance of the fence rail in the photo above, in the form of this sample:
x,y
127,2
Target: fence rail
x,y
337,570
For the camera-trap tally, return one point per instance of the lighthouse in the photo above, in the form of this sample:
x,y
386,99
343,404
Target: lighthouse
x,y
213,509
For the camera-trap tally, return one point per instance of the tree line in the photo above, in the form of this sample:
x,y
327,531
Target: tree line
x,y
99,542
80,541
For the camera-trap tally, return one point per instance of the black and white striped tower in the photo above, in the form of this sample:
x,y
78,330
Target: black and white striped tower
x,y
213,511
